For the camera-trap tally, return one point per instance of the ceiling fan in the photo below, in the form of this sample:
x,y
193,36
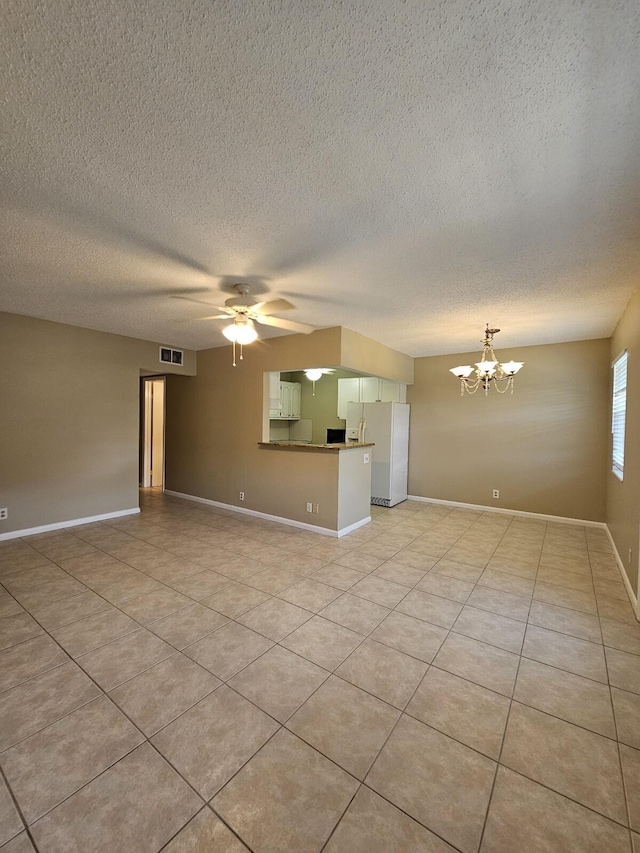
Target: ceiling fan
x,y
243,309
315,373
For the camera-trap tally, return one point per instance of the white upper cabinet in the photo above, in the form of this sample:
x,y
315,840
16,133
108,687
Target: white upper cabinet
x,y
392,392
348,392
287,403
275,406
368,389
295,395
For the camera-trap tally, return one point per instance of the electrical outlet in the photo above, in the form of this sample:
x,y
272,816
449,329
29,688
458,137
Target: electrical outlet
x,y
366,458
496,493
241,496
316,508
309,507
4,514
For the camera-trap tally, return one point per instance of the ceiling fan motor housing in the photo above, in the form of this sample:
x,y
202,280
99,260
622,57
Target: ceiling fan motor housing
x,y
243,300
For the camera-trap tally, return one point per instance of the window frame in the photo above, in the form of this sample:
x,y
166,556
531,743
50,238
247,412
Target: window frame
x,y
618,405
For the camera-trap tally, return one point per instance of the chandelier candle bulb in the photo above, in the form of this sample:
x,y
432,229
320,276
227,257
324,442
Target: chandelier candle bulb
x,y
487,370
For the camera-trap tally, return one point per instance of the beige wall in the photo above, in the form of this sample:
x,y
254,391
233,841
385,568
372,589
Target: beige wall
x,y
623,498
69,413
364,355
215,421
544,447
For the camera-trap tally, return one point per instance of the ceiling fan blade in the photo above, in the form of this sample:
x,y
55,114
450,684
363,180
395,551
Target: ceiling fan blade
x,y
198,301
241,302
289,325
216,317
275,306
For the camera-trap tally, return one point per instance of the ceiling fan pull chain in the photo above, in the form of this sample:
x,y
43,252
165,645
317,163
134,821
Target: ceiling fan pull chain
x,y
234,353
241,356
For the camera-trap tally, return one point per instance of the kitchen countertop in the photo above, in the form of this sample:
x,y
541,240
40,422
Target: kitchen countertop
x,y
314,448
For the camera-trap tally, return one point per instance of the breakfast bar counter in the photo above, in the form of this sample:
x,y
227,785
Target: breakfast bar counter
x,y
314,448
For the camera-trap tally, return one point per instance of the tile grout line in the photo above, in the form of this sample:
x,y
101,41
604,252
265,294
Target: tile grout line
x,y
338,665
394,728
208,808
498,760
344,592
401,714
146,740
625,794
504,733
16,805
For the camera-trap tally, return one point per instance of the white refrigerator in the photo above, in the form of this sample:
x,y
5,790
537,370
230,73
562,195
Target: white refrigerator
x,y
387,425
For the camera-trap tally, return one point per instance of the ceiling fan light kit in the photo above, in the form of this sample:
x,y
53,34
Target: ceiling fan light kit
x,y
315,373
244,310
241,331
488,372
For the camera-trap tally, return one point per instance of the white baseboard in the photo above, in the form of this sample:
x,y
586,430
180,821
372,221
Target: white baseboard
x,y
344,530
74,522
519,512
625,579
302,525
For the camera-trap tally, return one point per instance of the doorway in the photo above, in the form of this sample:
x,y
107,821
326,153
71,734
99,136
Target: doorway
x,y
153,408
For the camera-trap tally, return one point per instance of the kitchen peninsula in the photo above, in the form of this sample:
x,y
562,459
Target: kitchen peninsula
x,y
333,479
296,445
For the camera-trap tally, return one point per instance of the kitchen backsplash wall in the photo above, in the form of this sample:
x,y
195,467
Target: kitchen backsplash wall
x,y
301,430
279,431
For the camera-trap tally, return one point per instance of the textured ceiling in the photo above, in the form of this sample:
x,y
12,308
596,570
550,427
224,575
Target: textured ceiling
x,y
409,170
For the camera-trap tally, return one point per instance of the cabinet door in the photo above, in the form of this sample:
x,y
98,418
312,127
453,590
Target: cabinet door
x,y
390,391
274,395
285,399
296,393
369,389
348,392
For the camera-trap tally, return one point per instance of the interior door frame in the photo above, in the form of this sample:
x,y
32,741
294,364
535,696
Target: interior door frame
x,y
147,430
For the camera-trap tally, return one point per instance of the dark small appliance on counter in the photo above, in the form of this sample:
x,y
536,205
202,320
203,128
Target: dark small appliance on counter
x,y
336,436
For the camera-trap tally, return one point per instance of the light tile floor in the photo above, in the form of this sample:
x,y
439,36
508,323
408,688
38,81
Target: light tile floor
x,y
192,679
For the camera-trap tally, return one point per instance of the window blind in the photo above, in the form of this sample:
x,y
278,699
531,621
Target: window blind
x,y
618,412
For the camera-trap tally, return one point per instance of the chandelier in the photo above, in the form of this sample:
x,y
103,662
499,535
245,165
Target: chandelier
x,y
488,370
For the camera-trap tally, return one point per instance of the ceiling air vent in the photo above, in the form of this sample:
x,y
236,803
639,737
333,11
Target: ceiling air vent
x,y
171,356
